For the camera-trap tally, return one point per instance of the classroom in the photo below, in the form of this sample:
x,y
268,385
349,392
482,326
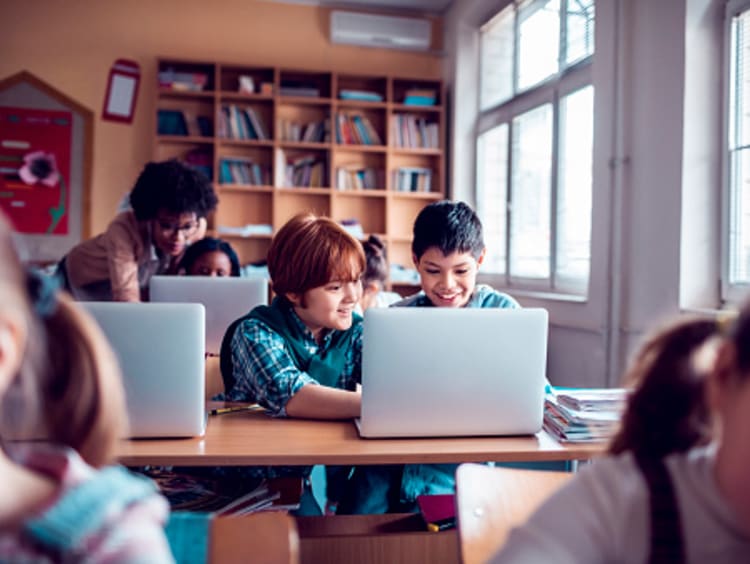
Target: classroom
x,y
598,141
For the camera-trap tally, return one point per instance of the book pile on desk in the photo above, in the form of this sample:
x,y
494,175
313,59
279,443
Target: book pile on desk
x,y
583,415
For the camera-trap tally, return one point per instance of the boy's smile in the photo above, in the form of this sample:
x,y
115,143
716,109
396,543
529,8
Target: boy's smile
x,y
448,281
329,306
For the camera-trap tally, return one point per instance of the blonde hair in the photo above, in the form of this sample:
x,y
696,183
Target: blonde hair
x,y
68,388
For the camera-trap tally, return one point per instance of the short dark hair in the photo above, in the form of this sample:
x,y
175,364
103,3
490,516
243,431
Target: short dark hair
x,y
174,187
450,226
376,267
208,245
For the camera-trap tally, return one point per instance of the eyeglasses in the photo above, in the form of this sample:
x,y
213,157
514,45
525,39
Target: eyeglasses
x,y
169,229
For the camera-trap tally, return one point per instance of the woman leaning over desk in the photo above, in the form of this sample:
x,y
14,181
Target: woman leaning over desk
x,y
170,202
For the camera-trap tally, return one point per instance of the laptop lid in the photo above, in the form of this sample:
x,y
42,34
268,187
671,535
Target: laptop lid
x,y
160,348
225,299
453,372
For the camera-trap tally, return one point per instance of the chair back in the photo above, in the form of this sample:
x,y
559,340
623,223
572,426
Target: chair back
x,y
490,501
265,537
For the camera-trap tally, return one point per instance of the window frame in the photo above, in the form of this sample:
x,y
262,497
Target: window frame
x,y
576,75
732,293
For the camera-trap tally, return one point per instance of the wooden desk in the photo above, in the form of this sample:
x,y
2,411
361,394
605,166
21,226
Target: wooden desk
x,y
254,438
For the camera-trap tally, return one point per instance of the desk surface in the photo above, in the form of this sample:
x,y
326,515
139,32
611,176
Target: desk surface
x,y
254,438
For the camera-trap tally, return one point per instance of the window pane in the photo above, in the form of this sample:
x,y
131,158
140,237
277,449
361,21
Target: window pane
x,y
574,185
530,194
492,190
538,42
579,22
739,139
496,60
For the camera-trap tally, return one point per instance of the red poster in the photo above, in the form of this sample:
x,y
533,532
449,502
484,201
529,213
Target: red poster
x,y
35,169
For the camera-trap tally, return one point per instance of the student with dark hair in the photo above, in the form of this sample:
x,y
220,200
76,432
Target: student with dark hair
x,y
447,250
60,501
674,486
170,202
375,276
210,257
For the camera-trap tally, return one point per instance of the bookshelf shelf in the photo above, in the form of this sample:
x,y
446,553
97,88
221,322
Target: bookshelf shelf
x,y
333,135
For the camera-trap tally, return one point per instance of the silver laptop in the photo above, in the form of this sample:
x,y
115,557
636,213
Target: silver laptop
x,y
225,299
161,352
439,372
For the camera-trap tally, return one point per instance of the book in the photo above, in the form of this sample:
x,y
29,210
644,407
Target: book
x,y
583,414
361,95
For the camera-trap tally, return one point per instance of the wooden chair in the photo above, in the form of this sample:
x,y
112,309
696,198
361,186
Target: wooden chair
x,y
267,537
490,501
214,383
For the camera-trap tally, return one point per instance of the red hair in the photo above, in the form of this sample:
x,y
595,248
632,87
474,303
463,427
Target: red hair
x,y
310,251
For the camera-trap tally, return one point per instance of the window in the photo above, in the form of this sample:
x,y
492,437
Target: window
x,y
736,228
535,144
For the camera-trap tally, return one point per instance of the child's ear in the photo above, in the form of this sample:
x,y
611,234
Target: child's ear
x,y
480,258
294,298
414,259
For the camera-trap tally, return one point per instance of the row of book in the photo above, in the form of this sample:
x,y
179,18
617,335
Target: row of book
x,y
354,128
242,170
306,171
183,81
182,122
414,132
412,179
241,122
358,178
312,132
583,415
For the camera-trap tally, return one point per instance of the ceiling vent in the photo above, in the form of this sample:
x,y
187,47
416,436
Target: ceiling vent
x,y
389,32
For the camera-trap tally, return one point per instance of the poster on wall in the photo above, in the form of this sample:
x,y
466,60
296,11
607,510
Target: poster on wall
x,y
35,152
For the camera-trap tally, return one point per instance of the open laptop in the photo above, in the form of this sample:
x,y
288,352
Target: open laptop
x,y
225,299
160,348
438,372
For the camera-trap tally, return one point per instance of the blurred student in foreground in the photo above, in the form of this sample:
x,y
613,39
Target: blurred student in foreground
x,y
674,485
59,384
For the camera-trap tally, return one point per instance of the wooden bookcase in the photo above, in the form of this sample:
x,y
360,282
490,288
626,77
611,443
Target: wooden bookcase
x,y
368,148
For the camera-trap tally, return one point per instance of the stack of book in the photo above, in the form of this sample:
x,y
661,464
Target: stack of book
x,y
582,415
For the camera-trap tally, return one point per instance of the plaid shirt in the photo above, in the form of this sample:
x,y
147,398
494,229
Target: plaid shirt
x,y
264,369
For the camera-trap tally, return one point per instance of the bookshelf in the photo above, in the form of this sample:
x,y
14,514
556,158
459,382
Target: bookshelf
x,y
279,141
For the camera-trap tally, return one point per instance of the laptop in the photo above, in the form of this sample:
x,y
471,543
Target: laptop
x,y
160,348
225,299
441,372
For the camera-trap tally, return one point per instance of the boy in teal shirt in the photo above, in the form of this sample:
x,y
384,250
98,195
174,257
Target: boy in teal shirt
x,y
447,250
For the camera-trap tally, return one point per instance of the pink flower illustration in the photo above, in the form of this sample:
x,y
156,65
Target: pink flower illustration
x,y
39,167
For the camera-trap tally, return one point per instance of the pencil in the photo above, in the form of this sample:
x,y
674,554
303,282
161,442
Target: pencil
x,y
441,524
223,410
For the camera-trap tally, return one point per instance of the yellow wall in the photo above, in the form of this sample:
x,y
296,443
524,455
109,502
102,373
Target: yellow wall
x,y
71,45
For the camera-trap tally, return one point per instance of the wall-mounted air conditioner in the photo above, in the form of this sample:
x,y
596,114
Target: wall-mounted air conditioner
x,y
370,30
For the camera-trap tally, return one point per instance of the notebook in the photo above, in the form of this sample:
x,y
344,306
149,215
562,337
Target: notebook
x,y
439,372
160,348
225,299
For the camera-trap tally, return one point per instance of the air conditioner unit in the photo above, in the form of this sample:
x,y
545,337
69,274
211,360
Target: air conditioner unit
x,y
371,30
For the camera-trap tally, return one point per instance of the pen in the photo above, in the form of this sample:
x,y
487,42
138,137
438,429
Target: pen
x,y
441,524
223,410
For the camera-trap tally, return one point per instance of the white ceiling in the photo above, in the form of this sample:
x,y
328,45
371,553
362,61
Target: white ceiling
x,y
424,6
